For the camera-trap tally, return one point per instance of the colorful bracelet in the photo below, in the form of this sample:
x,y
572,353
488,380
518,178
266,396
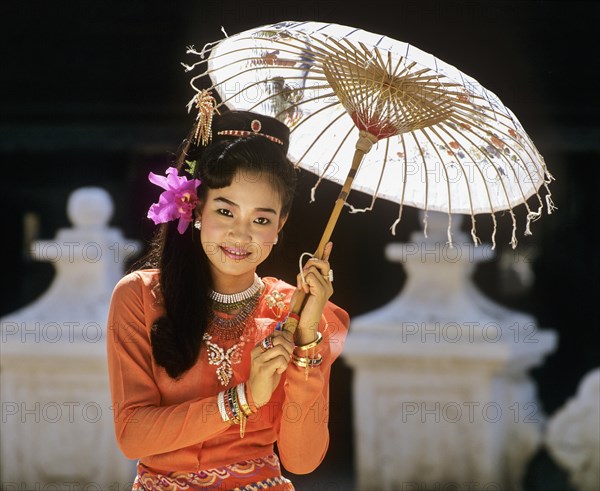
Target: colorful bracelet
x,y
229,409
240,413
234,407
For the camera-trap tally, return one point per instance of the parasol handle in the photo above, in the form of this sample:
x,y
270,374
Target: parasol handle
x,y
363,146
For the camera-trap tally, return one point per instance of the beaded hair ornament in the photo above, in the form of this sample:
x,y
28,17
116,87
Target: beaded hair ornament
x,y
180,197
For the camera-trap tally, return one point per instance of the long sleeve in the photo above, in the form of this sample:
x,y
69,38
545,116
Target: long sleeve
x,y
143,426
303,436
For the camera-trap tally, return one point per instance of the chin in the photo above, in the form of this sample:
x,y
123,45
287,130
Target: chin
x,y
232,268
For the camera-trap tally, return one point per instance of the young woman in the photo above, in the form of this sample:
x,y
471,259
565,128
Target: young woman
x,y
204,377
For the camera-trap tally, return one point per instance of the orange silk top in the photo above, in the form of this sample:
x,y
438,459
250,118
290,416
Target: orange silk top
x,y
175,425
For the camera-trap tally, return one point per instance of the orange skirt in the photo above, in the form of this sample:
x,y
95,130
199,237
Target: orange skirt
x,y
249,475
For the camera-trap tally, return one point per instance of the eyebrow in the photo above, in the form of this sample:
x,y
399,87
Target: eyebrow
x,y
229,202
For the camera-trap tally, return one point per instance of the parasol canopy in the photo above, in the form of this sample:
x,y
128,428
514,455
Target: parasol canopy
x,y
441,140
380,116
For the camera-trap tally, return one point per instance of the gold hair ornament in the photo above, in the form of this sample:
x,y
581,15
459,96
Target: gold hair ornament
x,y
206,105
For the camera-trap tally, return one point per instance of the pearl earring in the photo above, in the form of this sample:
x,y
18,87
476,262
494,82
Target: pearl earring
x,y
198,224
276,239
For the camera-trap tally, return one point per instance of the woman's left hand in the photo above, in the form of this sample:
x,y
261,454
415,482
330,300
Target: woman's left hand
x,y
319,289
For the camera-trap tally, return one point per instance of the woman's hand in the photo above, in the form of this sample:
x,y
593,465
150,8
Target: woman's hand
x,y
319,290
268,365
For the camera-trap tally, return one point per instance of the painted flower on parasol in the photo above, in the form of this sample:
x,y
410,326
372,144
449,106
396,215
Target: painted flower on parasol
x,y
177,201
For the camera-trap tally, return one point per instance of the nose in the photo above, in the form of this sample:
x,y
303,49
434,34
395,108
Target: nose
x,y
240,231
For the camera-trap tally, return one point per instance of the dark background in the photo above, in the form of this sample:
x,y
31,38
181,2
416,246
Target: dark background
x,y
94,94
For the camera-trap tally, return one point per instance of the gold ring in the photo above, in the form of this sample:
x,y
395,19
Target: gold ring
x,y
267,343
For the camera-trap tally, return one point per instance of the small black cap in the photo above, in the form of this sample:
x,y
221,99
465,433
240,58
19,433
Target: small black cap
x,y
231,124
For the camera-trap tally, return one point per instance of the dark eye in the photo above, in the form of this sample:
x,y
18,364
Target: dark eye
x,y
262,221
224,212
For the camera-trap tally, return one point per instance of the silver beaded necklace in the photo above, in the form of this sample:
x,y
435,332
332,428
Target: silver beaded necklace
x,y
237,297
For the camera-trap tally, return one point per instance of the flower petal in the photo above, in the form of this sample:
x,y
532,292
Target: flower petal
x,y
165,210
158,180
183,224
177,201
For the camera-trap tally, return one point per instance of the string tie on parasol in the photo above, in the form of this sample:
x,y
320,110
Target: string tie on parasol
x,y
300,264
328,276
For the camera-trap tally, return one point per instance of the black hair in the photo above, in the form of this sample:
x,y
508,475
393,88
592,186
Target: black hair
x,y
184,279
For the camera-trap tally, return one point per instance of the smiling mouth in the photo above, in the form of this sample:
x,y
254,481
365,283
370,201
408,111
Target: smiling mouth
x,y
235,253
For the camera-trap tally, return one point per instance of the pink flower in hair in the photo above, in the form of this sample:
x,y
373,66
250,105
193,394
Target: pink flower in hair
x,y
177,201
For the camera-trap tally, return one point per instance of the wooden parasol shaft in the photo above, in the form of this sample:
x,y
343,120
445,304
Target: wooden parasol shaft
x,y
363,145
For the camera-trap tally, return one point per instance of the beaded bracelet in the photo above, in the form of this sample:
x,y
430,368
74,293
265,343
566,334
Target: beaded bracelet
x,y
221,404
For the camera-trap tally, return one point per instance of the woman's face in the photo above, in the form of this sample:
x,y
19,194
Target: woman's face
x,y
239,225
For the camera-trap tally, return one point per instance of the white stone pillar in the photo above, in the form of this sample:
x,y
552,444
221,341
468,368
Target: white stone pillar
x,y
573,435
57,421
441,391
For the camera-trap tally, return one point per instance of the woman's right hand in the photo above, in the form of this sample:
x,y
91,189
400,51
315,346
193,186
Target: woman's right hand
x,y
267,366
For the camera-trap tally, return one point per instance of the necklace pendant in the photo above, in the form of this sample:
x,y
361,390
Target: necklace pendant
x,y
223,360
224,373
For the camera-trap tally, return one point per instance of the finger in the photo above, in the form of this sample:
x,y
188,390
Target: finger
x,y
327,251
280,338
301,283
318,284
321,264
315,277
277,338
315,262
270,367
272,353
285,335
256,352
276,365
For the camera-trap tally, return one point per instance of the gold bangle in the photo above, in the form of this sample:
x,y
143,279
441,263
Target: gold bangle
x,y
313,344
306,361
241,396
